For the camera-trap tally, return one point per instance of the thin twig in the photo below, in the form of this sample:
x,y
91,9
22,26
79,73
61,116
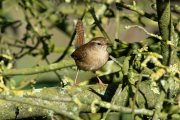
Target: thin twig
x,y
59,77
98,24
136,9
36,70
116,61
70,43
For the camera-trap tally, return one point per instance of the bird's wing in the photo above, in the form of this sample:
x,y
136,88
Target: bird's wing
x,y
80,53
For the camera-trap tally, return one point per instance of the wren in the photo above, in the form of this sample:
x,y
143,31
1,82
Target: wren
x,y
90,56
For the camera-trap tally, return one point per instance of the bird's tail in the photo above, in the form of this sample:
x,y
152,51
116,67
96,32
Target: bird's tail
x,y
80,34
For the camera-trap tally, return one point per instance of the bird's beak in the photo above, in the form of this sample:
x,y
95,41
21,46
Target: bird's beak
x,y
107,44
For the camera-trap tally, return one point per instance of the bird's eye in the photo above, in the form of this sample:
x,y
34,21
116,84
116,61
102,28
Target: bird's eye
x,y
99,43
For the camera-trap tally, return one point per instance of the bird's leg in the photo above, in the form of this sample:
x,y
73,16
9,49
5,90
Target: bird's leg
x,y
76,78
100,82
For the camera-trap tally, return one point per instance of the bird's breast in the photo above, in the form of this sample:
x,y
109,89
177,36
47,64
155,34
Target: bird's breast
x,y
94,60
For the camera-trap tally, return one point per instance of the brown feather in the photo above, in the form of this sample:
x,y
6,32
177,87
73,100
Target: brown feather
x,y
80,34
91,56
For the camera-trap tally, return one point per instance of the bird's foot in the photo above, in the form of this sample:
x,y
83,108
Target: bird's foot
x,y
101,83
76,84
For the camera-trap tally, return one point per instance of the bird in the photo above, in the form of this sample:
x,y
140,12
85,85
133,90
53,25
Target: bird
x,y
90,56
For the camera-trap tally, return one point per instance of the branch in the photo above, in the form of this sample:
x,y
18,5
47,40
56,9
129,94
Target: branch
x,y
136,9
45,104
36,70
82,98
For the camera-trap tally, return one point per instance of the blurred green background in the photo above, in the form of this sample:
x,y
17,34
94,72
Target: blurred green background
x,y
59,19
61,26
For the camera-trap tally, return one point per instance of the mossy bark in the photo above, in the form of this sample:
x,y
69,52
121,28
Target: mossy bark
x,y
147,98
